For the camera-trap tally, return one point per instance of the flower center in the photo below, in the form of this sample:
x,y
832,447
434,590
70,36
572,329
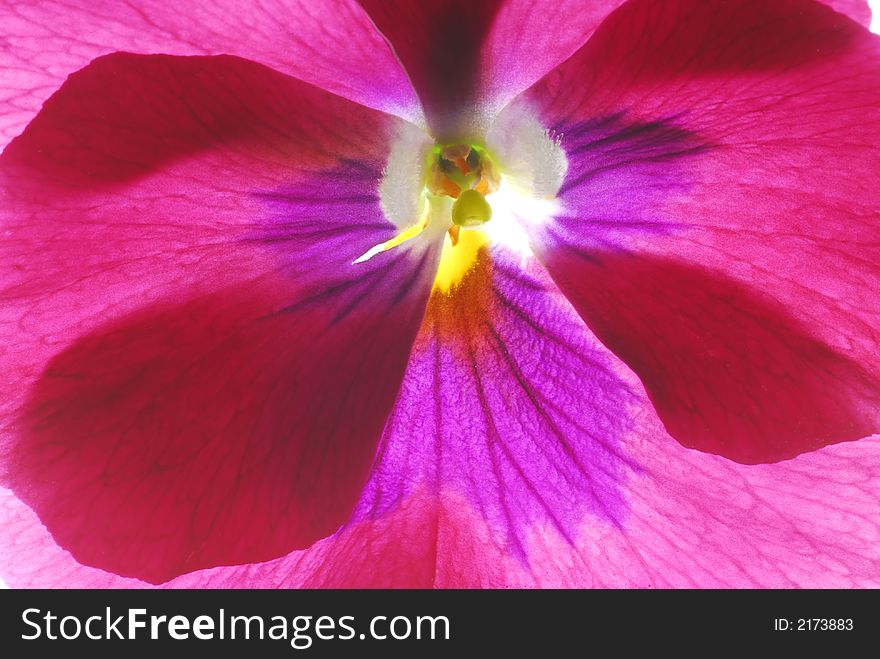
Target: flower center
x,y
431,189
466,173
456,180
455,169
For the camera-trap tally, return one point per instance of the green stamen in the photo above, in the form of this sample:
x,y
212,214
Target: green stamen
x,y
471,209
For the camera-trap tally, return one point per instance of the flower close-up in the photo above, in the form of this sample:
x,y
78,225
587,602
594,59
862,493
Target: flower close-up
x,y
447,293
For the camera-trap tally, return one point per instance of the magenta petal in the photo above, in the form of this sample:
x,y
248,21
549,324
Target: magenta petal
x,y
528,39
439,42
397,551
467,59
858,10
438,514
719,214
521,453
728,370
511,404
195,371
331,44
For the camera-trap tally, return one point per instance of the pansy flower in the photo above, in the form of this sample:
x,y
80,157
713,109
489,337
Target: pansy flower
x,y
441,293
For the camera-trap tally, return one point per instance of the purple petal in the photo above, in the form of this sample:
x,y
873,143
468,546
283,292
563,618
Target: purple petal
x,y
509,402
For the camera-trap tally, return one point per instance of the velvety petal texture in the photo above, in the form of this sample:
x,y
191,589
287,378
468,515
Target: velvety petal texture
x,y
719,226
194,370
331,44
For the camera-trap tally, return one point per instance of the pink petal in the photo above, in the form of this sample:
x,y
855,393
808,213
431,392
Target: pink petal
x,y
693,521
394,552
528,39
467,59
858,10
195,373
331,44
456,505
522,453
719,228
